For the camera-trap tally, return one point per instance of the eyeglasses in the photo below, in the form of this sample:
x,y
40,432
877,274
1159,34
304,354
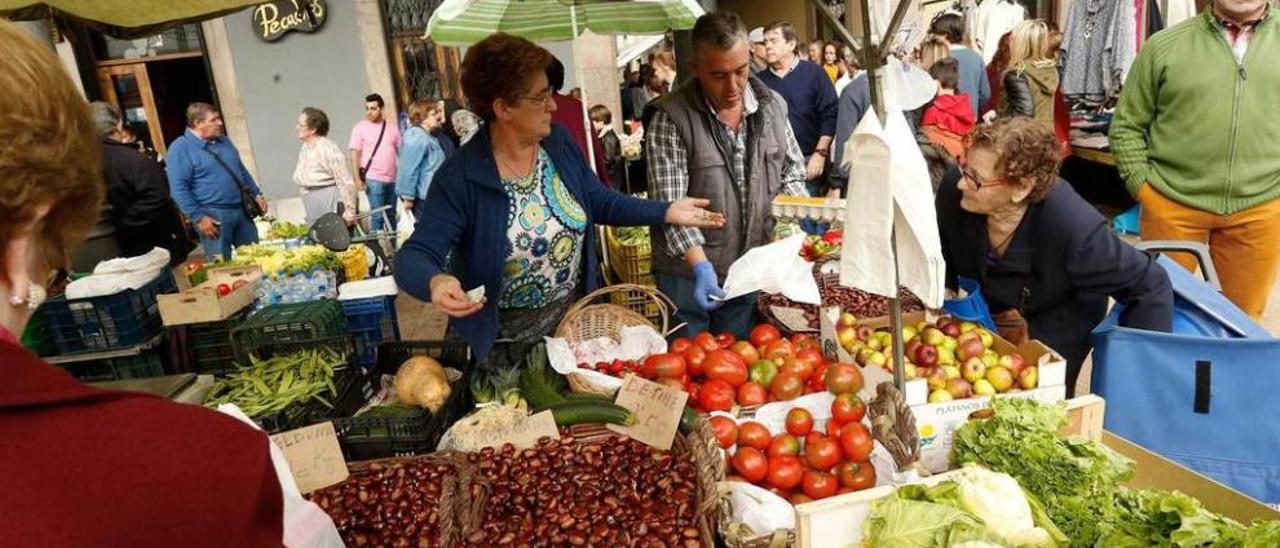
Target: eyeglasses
x,y
978,181
543,97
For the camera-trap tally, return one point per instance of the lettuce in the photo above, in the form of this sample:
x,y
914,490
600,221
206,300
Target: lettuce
x,y
900,523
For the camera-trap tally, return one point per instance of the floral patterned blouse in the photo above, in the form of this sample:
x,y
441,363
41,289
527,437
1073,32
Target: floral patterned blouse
x,y
545,229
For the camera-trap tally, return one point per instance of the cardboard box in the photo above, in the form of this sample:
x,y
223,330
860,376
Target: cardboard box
x,y
201,304
842,517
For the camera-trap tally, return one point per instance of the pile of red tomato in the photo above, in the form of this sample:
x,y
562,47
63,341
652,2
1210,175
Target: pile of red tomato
x,y
720,372
803,464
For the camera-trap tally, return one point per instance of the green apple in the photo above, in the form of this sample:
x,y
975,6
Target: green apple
x,y
990,358
966,327
932,336
940,395
983,388
973,369
847,319
950,343
877,358
908,332
987,339
935,376
952,371
1000,378
946,356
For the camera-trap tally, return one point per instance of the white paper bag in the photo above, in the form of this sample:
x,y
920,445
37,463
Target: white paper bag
x,y
774,268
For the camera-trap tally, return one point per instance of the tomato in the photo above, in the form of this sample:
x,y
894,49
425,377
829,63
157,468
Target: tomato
x,y
752,394
726,366
785,472
785,387
798,367
822,454
679,345
693,358
799,498
754,434
784,444
833,237
818,485
856,442
802,341
726,430
833,429
812,437
814,355
843,378
848,408
223,289
745,350
857,475
817,382
762,372
764,334
716,395
663,365
692,388
671,382
725,340
779,350
799,422
751,464
707,341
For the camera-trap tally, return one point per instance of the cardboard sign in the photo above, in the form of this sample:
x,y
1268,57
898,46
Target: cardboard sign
x,y
526,433
657,409
314,456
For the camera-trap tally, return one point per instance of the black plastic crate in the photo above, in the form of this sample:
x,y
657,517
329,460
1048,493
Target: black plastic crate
x,y
147,364
108,322
205,347
354,389
364,438
288,323
371,322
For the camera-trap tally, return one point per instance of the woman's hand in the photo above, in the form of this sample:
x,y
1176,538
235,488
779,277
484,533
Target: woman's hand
x,y
448,296
692,212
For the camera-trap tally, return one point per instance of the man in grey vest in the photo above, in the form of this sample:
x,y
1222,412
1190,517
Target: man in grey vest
x,y
723,136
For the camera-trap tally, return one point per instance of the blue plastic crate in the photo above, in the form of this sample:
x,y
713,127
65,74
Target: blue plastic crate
x,y
121,320
371,322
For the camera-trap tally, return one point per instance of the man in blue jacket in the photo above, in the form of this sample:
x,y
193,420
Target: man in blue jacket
x,y
810,98
973,73
205,176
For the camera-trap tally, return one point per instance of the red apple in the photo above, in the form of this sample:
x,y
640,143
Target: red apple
x,y
926,355
1014,363
959,388
1029,378
951,329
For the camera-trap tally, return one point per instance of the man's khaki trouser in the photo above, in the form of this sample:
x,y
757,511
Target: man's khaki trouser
x,y
1245,245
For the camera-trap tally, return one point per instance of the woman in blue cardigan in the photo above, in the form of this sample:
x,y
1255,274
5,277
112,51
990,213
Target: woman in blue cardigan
x,y
516,208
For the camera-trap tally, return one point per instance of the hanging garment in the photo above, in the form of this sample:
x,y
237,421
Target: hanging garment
x,y
995,17
1099,47
1177,11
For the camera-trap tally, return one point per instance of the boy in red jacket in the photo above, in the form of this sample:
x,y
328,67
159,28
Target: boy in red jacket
x,y
949,118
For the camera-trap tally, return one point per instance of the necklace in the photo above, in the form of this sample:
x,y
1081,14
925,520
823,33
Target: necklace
x,y
516,172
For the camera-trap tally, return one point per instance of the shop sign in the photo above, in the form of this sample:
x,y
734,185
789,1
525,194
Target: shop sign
x,y
272,20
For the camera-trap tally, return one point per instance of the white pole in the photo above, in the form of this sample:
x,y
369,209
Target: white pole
x,y
586,119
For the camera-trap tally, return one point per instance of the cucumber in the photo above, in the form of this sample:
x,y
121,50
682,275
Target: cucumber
x,y
588,412
583,396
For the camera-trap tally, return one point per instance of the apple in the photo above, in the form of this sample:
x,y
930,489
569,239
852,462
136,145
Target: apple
x,y
926,355
855,348
847,319
909,332
1014,363
863,356
873,343
876,358
952,371
950,329
983,388
847,335
950,343
973,369
937,378
939,396
966,327
932,336
946,356
909,349
970,348
1000,378
909,371
1029,378
865,332
990,358
886,339
987,339
959,388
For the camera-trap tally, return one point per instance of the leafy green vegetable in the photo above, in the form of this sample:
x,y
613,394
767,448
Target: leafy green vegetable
x,y
899,523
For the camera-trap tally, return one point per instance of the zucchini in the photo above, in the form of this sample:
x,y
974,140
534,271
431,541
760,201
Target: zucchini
x,y
587,412
584,396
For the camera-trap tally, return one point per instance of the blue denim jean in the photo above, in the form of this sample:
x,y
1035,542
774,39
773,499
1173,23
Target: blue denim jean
x,y
381,193
735,316
236,229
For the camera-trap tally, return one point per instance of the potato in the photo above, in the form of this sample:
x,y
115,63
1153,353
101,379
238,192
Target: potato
x,y
421,381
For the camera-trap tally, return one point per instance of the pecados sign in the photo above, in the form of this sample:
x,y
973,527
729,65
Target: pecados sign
x,y
272,20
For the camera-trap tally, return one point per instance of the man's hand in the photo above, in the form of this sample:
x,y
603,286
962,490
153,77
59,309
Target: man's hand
x,y
208,227
448,296
408,204
813,169
262,203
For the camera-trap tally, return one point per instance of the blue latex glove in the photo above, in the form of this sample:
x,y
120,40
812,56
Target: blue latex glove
x,y
706,285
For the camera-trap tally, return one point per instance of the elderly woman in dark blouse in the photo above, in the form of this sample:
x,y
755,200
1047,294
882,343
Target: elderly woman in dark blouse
x,y
1046,260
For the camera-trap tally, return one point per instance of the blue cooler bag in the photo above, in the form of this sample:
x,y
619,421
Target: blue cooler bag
x,y
1206,395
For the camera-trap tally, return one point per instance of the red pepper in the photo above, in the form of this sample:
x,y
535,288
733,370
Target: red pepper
x,y
834,237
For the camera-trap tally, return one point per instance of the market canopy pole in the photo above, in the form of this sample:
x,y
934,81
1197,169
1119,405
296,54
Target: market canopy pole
x,y
875,56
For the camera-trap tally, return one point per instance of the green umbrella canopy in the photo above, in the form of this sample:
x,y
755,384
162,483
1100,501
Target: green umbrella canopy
x,y
464,22
125,18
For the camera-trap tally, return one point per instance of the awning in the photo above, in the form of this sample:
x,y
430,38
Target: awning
x,y
638,48
125,18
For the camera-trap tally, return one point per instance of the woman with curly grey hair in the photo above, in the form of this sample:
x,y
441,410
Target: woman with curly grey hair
x,y
1046,260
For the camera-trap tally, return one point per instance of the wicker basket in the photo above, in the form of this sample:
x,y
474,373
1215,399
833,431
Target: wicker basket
x,y
632,262
586,320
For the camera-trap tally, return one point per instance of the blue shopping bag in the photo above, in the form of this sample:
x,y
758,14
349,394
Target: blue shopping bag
x,y
1205,395
972,307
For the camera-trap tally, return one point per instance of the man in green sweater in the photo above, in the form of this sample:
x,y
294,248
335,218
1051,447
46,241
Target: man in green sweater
x,y
1197,140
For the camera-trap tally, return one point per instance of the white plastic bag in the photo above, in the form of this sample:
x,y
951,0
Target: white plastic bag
x,y
774,268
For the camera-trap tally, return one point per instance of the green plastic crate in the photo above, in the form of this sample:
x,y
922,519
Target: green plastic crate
x,y
145,365
288,324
